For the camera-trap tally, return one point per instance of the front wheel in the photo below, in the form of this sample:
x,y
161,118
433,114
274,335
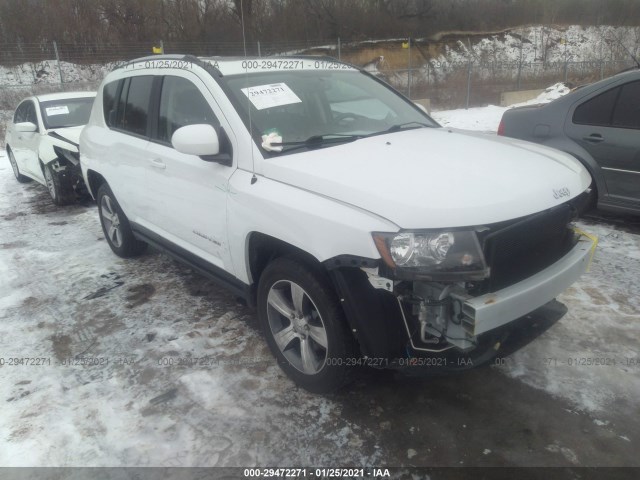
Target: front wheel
x,y
116,227
16,171
61,191
304,325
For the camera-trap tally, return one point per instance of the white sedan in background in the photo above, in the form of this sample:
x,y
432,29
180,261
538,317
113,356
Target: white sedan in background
x,y
42,142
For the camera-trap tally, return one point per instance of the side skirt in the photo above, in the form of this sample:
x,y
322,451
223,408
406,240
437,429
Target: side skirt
x,y
213,272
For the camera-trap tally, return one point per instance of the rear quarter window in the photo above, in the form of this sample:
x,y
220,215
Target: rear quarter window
x,y
126,104
109,104
136,108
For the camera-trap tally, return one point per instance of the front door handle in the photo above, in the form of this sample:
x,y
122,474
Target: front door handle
x,y
594,138
157,163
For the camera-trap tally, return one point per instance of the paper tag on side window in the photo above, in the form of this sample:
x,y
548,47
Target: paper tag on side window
x,y
59,110
269,96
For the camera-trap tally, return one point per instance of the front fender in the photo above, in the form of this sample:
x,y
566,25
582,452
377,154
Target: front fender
x,y
47,154
317,225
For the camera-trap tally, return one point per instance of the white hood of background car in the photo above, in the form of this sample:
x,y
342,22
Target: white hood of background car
x,y
70,133
436,177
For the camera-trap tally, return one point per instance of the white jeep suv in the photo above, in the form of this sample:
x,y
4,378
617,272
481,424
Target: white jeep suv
x,y
363,232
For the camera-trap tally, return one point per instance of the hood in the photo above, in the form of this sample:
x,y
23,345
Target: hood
x,y
436,177
71,134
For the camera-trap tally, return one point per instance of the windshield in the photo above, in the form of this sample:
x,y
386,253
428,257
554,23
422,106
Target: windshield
x,y
70,112
295,106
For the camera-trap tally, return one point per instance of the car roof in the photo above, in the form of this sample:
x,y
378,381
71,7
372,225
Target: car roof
x,y
232,65
64,96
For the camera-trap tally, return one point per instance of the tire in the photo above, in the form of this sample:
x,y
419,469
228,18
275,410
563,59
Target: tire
x,y
296,330
116,227
16,171
592,205
61,191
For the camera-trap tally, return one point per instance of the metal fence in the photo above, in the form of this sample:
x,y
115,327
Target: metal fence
x,y
407,65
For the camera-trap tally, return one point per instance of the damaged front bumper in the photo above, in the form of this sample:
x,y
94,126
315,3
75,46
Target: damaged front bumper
x,y
404,319
493,310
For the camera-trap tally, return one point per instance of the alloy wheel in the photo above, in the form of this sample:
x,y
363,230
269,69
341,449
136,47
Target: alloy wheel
x,y
14,164
111,221
48,177
297,327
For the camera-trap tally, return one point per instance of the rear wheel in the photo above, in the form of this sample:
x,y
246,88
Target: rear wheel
x,y
61,191
115,225
16,171
304,325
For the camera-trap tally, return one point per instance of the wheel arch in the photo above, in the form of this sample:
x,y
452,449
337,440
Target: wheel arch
x,y
94,182
260,249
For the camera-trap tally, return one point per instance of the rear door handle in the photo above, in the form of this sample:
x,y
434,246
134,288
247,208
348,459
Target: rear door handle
x,y
594,138
157,163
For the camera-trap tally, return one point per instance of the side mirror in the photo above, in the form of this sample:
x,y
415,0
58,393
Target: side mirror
x,y
199,139
26,127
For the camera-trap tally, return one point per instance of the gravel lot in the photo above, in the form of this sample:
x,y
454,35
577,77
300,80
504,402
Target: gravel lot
x,y
141,400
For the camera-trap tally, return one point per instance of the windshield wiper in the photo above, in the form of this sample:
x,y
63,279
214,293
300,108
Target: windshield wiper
x,y
335,138
317,141
401,126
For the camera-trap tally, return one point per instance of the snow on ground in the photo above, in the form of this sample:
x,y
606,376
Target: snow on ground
x,y
178,375
487,119
591,357
46,72
63,293
604,308
483,119
549,44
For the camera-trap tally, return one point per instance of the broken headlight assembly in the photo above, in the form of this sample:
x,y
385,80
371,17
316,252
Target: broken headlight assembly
x,y
63,153
445,255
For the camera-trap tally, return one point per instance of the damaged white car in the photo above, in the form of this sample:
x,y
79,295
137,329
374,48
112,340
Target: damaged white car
x,y
42,142
365,234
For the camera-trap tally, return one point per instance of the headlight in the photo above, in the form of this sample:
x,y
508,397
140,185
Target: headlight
x,y
434,254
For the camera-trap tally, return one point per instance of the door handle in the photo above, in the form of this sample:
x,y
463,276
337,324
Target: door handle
x,y
157,163
594,138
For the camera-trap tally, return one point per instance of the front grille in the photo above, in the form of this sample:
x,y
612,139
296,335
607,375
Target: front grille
x,y
520,249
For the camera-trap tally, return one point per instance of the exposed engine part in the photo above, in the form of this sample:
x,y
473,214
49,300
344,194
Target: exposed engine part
x,y
56,166
413,345
376,281
438,309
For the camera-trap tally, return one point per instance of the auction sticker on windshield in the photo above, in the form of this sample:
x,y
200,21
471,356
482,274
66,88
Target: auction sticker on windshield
x,y
58,110
269,96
